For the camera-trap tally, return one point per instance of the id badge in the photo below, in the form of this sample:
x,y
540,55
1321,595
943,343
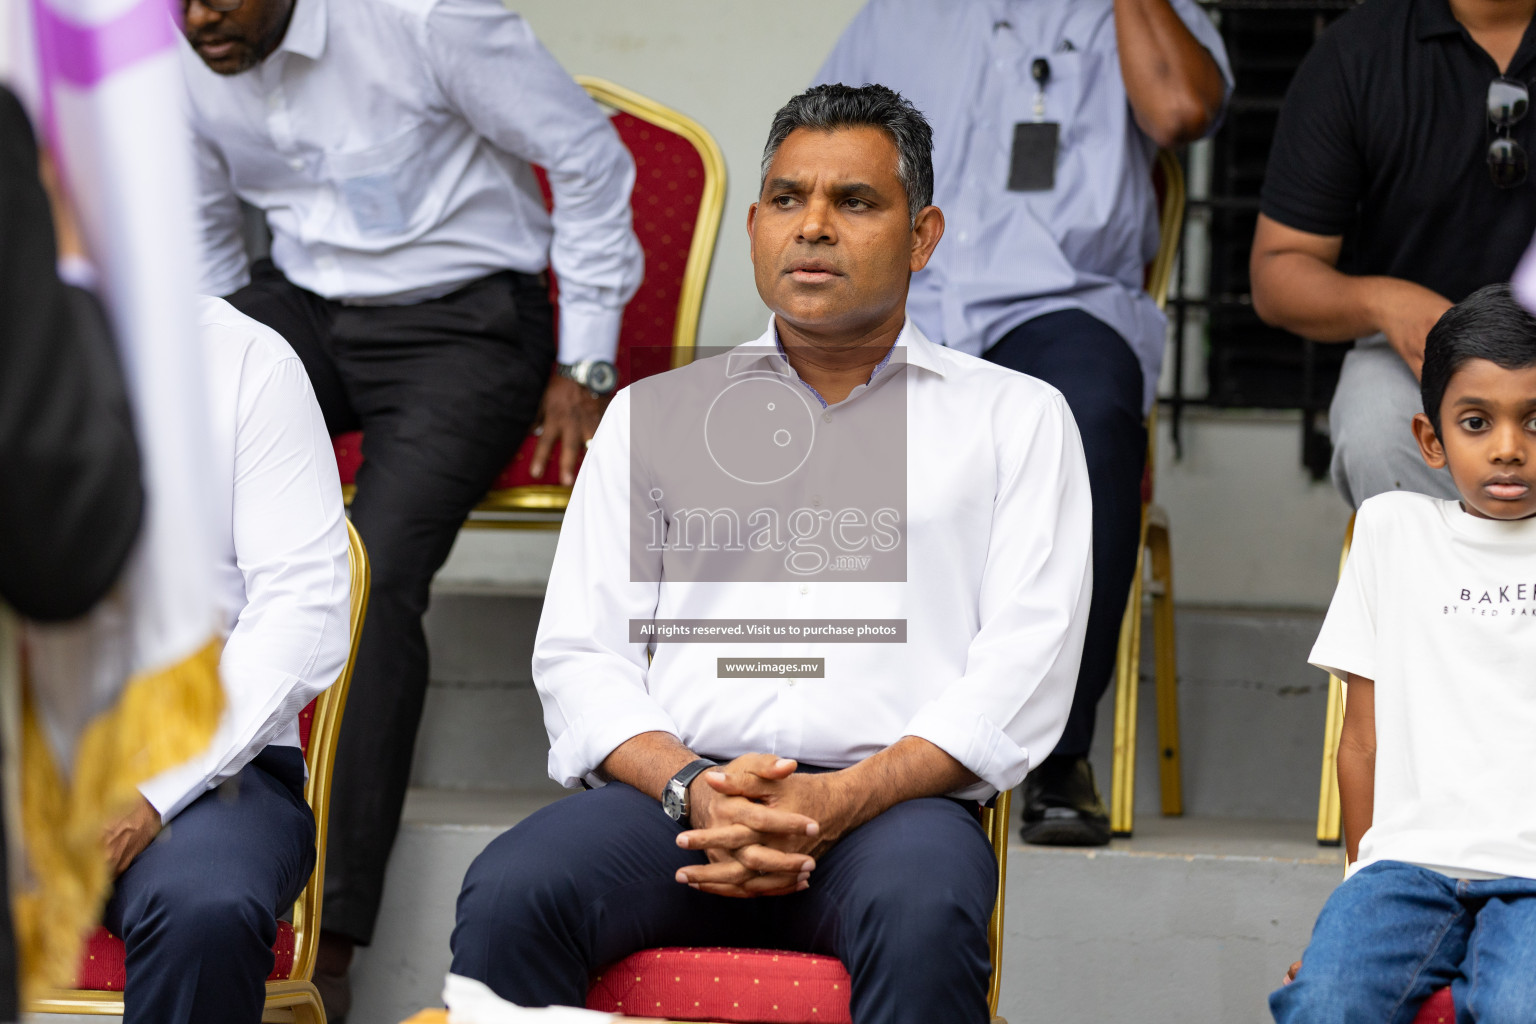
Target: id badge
x,y
1032,168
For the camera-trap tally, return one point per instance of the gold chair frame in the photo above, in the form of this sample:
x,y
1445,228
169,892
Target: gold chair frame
x,y
996,821
553,498
1154,540
295,998
1328,831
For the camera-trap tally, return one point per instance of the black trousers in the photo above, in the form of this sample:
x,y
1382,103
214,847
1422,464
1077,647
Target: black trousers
x,y
444,392
197,910
1101,378
903,901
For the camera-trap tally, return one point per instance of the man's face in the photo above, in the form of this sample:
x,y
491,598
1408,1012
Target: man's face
x,y
833,245
1488,439
235,41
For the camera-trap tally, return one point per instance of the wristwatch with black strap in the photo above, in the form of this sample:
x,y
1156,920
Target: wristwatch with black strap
x,y
674,798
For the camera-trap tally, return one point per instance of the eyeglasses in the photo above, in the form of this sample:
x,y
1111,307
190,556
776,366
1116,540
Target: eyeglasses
x,y
1508,101
217,6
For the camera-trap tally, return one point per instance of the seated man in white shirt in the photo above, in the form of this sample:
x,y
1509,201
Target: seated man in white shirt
x,y
806,484
222,845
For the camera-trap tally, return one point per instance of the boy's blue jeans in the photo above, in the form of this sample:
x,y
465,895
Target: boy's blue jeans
x,y
1393,934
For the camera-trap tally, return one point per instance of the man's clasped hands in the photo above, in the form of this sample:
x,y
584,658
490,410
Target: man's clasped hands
x,y
762,825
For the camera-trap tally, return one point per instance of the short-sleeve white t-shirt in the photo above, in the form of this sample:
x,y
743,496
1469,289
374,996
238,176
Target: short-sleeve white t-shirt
x,y
1439,608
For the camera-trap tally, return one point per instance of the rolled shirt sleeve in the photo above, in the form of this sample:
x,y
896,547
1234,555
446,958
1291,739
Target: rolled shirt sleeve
x,y
514,93
290,640
1009,708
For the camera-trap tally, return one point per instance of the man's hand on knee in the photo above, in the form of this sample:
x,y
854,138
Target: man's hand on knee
x,y
128,836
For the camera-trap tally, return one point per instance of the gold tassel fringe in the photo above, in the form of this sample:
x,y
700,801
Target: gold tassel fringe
x,y
161,720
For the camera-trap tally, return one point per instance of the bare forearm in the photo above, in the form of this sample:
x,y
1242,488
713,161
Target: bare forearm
x,y
647,762
1309,297
1357,794
1173,83
909,769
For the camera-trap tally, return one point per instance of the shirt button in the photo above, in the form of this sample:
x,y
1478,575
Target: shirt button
x,y
791,682
804,589
965,236
296,163
826,417
816,500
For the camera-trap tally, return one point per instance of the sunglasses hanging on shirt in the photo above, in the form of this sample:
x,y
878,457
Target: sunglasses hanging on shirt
x,y
1508,101
1032,167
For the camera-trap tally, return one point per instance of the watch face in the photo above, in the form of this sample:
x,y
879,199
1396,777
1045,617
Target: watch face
x,y
601,377
672,803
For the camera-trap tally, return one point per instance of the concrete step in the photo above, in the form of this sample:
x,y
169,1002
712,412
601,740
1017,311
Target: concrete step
x,y
1194,920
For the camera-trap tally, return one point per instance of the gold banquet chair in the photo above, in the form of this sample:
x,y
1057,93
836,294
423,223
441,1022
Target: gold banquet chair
x,y
291,994
766,986
1168,178
1328,832
677,203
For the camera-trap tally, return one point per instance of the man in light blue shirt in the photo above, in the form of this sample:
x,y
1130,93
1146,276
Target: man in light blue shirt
x,y
1047,115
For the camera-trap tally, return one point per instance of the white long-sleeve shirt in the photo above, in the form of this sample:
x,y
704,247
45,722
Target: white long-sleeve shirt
x,y
388,143
993,587
283,581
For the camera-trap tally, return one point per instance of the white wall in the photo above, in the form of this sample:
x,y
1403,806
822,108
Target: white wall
x,y
1249,528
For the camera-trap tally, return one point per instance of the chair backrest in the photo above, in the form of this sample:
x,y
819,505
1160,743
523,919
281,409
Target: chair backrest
x,y
996,822
319,727
1168,183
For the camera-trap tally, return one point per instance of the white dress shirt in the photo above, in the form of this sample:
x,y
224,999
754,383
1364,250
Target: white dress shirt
x,y
1009,257
995,595
389,144
283,581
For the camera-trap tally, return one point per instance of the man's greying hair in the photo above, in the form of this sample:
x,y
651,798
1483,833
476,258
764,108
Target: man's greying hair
x,y
827,108
1488,324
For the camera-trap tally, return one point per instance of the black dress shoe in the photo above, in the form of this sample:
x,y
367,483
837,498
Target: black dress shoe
x,y
332,964
1062,805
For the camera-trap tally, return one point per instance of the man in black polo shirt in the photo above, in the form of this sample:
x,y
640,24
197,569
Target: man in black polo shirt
x,y
1404,135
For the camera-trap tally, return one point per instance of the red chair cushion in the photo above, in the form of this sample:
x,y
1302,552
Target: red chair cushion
x,y
1437,1009
669,185
102,970
720,984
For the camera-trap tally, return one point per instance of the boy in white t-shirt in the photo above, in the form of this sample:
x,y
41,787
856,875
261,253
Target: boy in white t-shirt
x,y
1437,767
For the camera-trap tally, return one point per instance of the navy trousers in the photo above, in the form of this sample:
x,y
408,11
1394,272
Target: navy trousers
x,y
903,902
1101,378
198,909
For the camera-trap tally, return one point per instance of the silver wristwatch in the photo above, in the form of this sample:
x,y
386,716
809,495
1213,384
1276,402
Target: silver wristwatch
x,y
674,798
596,376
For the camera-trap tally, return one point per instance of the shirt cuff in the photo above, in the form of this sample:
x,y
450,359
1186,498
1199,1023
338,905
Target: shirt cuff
x,y
588,332
173,789
586,743
975,742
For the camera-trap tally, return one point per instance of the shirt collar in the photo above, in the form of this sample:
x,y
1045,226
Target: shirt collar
x,y
768,353
1433,18
306,30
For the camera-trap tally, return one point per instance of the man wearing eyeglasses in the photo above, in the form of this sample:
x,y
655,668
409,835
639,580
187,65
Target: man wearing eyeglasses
x,y
1398,184
391,146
